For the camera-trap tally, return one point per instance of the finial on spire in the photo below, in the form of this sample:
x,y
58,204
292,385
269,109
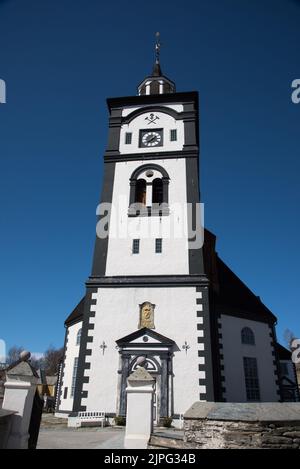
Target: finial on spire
x,y
157,47
156,83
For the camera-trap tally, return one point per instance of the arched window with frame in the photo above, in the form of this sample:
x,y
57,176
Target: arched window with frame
x,y
157,191
247,336
149,191
140,193
78,337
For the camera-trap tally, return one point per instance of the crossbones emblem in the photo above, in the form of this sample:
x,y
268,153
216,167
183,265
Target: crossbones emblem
x,y
151,119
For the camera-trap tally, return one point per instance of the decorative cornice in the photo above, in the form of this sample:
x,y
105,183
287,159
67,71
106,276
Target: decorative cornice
x,y
187,152
148,281
190,96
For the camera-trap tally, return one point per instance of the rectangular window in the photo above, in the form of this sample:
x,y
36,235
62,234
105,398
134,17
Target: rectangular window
x,y
251,379
158,245
135,246
173,135
65,393
128,138
74,376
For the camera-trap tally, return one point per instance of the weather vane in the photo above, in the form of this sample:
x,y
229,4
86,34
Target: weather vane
x,y
157,47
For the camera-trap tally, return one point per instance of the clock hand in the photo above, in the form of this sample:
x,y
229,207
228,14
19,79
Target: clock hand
x,y
151,139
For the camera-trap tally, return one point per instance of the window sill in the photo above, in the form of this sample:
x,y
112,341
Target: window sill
x,y
148,211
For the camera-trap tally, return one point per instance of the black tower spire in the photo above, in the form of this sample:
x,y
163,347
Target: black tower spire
x,y
156,83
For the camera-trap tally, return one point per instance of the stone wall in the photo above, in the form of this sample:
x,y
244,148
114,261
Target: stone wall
x,y
242,426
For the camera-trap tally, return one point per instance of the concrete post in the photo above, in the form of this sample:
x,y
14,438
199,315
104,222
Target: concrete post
x,y
20,387
139,419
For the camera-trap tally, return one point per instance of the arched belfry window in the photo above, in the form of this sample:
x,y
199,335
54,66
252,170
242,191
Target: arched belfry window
x,y
157,191
149,191
140,192
248,337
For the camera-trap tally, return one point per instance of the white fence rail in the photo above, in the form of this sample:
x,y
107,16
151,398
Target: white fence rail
x,y
87,417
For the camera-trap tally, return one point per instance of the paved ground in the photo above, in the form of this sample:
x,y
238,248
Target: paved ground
x,y
81,438
54,434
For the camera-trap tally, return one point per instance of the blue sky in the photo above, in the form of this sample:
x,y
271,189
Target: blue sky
x,y
62,59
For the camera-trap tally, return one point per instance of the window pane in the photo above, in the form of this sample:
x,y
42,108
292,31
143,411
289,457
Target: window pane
x,y
248,336
78,337
251,379
135,246
74,376
128,138
158,245
173,136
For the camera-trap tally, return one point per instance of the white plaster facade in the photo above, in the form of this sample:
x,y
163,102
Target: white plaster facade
x,y
71,352
164,121
175,317
172,229
234,351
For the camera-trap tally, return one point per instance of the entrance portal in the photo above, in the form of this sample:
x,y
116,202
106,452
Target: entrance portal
x,y
154,352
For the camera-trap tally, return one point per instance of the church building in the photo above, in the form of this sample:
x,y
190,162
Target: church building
x,y
156,290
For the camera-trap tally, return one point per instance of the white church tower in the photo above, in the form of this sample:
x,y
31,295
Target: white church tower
x,y
154,291
147,295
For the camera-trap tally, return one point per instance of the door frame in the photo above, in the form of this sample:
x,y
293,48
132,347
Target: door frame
x,y
159,355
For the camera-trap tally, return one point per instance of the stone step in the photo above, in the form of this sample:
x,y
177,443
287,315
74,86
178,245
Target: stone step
x,y
166,442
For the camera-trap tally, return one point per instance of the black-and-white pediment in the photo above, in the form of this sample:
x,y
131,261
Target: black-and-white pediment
x,y
144,338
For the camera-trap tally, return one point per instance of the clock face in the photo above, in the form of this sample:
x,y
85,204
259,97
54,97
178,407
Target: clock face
x,y
151,138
